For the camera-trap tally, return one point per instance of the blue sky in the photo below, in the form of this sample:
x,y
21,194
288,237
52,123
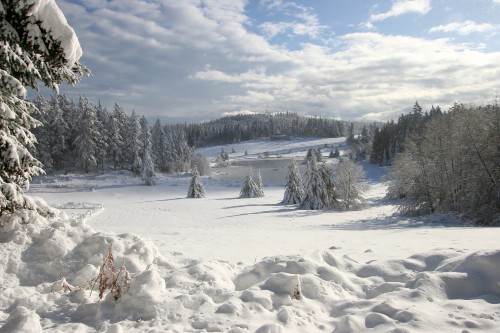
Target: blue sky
x,y
193,60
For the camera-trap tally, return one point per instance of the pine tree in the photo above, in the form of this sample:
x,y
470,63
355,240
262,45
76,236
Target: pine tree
x,y
134,143
29,53
260,185
86,141
350,134
250,188
196,189
319,191
42,150
58,134
116,141
148,168
103,138
159,146
294,192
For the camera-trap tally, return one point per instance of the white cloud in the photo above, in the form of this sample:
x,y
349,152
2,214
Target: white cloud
x,y
466,28
186,57
400,7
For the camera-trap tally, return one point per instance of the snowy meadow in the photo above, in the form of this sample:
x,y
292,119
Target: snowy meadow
x,y
229,264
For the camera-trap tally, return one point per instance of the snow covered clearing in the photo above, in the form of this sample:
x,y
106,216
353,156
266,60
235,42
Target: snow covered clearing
x,y
225,264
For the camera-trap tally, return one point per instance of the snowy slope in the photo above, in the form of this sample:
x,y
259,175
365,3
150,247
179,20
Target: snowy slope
x,y
223,264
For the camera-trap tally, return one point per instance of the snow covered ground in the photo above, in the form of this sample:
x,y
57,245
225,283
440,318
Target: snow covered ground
x,y
225,264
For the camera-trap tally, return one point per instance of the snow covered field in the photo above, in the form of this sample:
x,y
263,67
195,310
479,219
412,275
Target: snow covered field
x,y
225,264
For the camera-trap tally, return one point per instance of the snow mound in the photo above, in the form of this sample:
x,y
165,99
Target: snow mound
x,y
48,268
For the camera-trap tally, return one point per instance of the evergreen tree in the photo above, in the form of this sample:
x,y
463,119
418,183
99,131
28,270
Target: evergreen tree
x,y
116,136
294,189
319,155
42,150
196,189
86,141
250,188
29,53
134,143
159,146
350,134
58,134
260,185
146,138
103,139
319,189
148,168
365,138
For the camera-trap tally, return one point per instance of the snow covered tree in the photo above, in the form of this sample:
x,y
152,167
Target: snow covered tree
x,y
116,142
319,189
260,185
148,168
250,188
36,44
86,141
294,192
202,164
102,116
42,150
58,133
159,145
349,188
196,189
134,143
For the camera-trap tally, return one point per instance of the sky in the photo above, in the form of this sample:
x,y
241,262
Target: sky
x,y
196,60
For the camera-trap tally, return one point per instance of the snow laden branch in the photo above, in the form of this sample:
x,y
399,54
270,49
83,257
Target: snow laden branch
x,y
36,44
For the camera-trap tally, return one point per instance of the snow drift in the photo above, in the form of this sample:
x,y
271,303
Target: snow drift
x,y
322,292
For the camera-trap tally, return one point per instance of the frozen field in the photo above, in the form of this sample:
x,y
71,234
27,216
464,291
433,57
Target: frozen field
x,y
224,264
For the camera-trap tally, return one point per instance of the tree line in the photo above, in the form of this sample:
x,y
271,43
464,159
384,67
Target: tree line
x,y
86,136
239,128
83,135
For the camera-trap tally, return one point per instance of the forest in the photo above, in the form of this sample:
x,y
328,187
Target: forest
x,y
85,136
444,161
439,161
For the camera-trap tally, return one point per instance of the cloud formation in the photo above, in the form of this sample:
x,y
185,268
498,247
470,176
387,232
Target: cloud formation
x,y
203,59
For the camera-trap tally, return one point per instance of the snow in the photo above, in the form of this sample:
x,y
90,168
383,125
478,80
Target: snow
x,y
228,264
52,19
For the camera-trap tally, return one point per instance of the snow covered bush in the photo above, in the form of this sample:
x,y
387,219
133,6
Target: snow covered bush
x,y
294,192
196,189
36,44
349,178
